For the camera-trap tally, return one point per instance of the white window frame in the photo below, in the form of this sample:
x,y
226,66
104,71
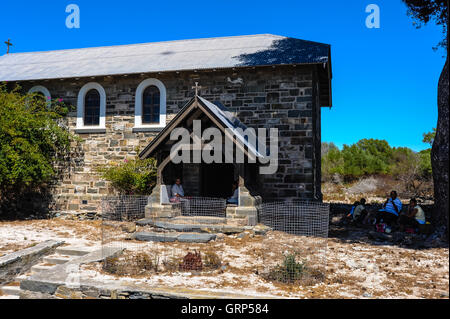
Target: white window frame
x,y
43,90
138,126
81,128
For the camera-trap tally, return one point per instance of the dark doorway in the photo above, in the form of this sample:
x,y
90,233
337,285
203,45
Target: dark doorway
x,y
217,180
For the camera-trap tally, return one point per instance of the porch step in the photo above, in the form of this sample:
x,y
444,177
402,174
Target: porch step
x,y
199,220
75,250
171,237
57,259
192,228
42,267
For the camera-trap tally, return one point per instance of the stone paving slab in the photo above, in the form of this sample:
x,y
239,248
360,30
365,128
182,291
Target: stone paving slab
x,y
157,237
196,238
201,228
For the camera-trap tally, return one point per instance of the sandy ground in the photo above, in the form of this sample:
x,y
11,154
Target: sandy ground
x,y
23,234
353,269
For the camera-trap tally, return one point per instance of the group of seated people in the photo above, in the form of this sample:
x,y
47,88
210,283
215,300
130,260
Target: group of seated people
x,y
390,213
178,193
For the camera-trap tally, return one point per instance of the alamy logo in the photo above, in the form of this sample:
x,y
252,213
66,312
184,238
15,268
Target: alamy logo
x,y
210,146
73,19
373,19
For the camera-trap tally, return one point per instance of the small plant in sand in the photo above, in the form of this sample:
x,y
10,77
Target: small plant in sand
x,y
171,264
289,271
192,262
211,260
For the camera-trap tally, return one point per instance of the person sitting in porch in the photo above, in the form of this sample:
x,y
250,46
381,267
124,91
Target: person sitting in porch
x,y
414,217
177,191
235,198
391,209
358,212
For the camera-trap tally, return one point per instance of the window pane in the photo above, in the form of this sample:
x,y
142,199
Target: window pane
x,y
92,108
151,105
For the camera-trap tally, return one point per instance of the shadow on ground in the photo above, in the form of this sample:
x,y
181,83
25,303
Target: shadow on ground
x,y
367,234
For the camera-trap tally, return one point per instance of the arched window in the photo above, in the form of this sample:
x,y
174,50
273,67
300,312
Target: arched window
x,y
151,105
41,90
92,108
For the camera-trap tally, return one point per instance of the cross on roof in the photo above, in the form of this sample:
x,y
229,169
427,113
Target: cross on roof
x,y
8,44
196,87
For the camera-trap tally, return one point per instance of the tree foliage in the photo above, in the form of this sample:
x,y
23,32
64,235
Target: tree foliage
x,y
375,157
33,141
132,177
429,137
424,11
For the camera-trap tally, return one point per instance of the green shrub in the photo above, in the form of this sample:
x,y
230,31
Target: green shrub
x,y
132,177
33,142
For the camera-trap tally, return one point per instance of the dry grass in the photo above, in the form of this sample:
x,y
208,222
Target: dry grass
x,y
352,269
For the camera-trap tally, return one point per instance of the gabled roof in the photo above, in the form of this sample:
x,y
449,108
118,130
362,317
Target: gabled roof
x,y
212,53
218,114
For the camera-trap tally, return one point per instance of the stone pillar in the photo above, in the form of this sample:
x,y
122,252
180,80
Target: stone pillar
x,y
247,203
155,209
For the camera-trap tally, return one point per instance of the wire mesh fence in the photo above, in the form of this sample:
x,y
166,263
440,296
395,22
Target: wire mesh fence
x,y
203,206
195,236
296,249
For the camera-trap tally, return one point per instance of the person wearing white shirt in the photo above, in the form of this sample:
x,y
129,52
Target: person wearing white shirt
x,y
177,190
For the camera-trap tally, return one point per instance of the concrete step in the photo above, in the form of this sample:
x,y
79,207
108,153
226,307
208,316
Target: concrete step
x,y
42,267
57,259
199,220
171,237
10,290
75,250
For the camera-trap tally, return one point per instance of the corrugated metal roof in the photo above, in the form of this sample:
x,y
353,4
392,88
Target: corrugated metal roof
x,y
212,53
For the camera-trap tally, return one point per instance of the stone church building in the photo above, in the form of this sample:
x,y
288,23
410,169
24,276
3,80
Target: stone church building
x,y
129,98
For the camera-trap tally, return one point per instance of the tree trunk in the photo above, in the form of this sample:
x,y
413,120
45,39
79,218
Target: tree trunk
x,y
439,155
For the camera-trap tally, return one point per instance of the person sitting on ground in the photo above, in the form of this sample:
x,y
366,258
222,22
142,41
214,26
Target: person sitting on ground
x,y
235,198
414,217
177,191
359,213
391,209
349,216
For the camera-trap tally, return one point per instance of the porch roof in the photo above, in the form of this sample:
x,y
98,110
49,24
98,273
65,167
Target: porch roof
x,y
218,114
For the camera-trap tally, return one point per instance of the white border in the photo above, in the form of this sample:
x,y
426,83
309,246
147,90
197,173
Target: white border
x,y
43,90
138,104
80,106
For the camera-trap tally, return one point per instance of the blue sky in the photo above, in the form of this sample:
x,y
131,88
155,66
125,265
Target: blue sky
x,y
384,80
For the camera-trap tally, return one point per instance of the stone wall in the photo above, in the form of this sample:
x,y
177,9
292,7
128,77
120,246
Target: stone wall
x,y
280,97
